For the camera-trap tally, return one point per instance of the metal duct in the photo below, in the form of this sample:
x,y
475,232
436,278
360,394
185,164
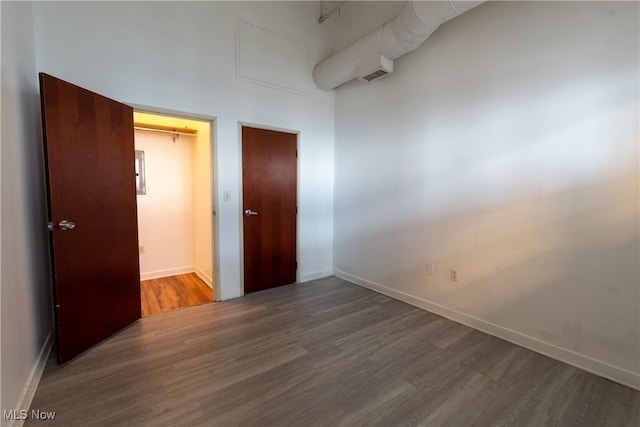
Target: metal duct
x,y
399,35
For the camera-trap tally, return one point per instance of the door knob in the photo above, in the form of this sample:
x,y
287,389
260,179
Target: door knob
x,y
249,212
66,225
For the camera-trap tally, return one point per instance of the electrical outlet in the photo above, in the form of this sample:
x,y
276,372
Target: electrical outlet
x,y
453,275
430,269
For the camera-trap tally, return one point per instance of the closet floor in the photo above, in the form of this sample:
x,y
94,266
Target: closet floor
x,y
168,293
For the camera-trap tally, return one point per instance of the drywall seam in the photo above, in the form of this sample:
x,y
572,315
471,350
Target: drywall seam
x,y
570,357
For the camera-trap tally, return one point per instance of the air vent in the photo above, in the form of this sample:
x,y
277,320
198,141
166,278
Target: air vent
x,y
396,37
374,68
375,75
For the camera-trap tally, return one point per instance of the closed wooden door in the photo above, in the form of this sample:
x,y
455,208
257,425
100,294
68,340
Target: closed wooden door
x,y
92,212
269,180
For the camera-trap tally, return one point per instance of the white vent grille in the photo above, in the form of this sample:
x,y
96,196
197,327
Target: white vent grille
x,y
375,75
374,68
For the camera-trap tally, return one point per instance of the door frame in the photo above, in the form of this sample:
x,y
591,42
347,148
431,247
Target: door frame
x,y
241,194
213,137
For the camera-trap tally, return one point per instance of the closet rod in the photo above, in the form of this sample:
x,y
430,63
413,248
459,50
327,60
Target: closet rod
x,y
165,129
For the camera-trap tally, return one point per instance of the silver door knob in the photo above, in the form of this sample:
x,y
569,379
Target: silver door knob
x,y
249,212
66,225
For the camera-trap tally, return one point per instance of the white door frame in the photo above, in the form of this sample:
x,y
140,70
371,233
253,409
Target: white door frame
x,y
215,238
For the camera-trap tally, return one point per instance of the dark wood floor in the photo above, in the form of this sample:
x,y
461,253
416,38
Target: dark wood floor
x,y
326,353
168,293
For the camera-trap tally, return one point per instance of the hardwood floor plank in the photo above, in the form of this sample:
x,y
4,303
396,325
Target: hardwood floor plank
x,y
169,293
325,353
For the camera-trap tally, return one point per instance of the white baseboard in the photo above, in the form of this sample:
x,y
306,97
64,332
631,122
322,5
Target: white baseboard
x,y
598,367
314,276
30,387
205,277
166,273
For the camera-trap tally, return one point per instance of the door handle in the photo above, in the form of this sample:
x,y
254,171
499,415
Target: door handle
x,y
66,225
249,212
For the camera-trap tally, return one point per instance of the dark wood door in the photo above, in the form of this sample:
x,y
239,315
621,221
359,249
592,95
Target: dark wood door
x,y
89,155
269,180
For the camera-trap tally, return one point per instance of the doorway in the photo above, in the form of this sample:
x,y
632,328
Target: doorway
x,y
175,211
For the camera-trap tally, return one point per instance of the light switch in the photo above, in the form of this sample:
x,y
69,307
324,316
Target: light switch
x,y
430,269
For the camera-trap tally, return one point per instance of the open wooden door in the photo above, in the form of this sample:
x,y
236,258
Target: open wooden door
x,y
89,156
269,181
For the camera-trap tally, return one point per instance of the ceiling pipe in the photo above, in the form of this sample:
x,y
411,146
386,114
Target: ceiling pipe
x,y
324,17
399,35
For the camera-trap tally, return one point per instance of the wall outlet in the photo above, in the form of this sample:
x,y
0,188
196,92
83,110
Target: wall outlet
x,y
430,269
453,275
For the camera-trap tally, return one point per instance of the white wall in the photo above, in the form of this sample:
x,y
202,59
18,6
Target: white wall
x,y
166,231
204,232
506,147
180,56
26,318
355,20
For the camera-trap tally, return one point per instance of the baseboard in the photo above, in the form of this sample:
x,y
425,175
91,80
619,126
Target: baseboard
x,y
166,273
30,387
597,367
205,277
314,276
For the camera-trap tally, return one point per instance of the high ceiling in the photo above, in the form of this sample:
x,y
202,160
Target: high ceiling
x,y
329,7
